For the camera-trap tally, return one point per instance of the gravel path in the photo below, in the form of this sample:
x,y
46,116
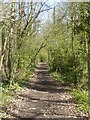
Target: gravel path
x,y
43,98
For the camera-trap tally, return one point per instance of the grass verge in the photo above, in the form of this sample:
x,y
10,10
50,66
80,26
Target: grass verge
x,y
80,95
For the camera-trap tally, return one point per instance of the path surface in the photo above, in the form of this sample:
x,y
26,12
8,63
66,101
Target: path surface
x,y
44,98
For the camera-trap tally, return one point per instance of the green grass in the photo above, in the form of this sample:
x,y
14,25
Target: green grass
x,y
9,90
81,97
57,76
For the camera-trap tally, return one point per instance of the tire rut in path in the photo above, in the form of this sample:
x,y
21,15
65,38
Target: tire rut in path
x,y
44,98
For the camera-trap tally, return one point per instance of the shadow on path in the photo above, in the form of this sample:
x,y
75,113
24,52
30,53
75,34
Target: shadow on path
x,y
44,99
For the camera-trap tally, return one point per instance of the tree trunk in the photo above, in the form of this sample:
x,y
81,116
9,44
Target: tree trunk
x,y
72,34
10,46
88,30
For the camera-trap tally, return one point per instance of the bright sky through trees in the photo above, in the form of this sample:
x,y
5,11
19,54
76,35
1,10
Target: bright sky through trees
x,y
51,1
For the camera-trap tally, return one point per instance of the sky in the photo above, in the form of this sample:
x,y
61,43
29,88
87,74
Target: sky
x,y
50,1
53,1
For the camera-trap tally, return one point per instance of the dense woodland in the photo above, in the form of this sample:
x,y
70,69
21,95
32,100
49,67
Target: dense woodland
x,y
36,32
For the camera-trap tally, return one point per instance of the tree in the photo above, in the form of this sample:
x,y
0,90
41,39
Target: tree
x,y
21,20
88,30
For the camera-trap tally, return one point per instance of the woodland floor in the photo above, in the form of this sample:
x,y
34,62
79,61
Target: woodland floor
x,y
43,98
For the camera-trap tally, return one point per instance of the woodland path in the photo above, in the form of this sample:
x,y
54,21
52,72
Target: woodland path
x,y
43,98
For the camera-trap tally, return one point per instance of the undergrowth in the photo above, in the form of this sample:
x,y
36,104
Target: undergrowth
x,y
80,94
9,90
81,97
57,76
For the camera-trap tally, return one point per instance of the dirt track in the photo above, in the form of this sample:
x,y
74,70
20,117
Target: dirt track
x,y
44,98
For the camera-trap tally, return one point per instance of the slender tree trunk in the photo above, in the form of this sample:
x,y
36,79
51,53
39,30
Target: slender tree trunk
x,y
19,36
89,60
72,35
85,51
0,49
89,69
10,46
0,60
88,45
9,59
88,18
54,17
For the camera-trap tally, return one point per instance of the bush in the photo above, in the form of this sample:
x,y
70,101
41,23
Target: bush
x,y
68,66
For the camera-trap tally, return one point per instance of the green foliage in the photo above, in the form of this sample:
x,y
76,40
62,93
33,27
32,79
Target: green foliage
x,y
7,92
42,56
66,46
42,59
67,65
57,76
81,97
